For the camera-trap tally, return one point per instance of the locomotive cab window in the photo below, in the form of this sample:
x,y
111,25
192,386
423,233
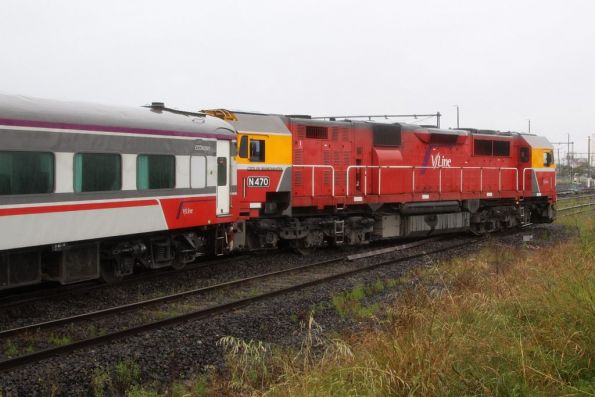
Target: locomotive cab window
x,y
257,150
26,173
548,159
96,172
243,151
155,171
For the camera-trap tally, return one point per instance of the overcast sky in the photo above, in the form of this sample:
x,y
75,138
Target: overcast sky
x,y
503,62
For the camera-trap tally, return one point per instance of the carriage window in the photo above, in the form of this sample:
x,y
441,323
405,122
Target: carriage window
x,y
26,173
243,147
198,172
256,150
221,171
155,171
95,172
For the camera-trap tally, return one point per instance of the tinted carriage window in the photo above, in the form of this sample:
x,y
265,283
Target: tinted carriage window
x,y
221,171
94,172
256,150
501,148
155,171
482,148
26,173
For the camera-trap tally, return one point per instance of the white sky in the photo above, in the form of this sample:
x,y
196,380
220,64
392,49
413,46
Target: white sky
x,y
503,62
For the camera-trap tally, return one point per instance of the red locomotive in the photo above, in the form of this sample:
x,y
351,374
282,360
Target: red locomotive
x,y
351,182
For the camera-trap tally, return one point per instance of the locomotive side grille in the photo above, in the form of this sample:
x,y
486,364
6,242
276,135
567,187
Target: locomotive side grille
x,y
301,131
346,158
299,156
336,158
326,157
313,132
335,133
345,135
359,150
339,176
297,177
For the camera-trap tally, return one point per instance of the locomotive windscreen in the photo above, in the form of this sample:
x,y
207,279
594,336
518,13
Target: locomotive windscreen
x,y
387,134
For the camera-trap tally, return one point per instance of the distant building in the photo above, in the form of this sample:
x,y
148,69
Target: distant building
x,y
593,150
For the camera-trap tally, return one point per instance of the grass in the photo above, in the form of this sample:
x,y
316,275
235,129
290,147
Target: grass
x,y
60,340
503,322
10,349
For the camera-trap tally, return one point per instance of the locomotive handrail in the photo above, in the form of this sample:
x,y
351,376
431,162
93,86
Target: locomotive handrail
x,y
413,168
314,166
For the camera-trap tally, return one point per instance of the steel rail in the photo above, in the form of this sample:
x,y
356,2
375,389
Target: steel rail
x,y
183,294
61,290
568,198
34,357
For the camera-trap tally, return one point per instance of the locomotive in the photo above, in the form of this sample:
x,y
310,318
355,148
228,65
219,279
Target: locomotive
x,y
305,182
90,191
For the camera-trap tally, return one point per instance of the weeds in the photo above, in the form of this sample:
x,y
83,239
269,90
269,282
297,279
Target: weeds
x,y
126,375
10,349
60,340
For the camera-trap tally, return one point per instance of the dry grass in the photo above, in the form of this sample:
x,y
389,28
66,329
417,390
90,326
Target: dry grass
x,y
500,323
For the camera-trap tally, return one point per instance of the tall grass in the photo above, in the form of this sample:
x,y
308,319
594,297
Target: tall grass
x,y
504,322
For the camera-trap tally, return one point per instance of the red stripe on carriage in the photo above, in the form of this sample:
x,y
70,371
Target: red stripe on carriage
x,y
75,207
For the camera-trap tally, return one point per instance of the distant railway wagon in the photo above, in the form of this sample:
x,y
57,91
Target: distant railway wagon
x,y
89,190
307,182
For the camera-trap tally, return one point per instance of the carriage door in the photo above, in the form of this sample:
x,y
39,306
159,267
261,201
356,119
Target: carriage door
x,y
223,177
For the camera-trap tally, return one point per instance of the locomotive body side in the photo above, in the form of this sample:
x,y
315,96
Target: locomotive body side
x,y
354,182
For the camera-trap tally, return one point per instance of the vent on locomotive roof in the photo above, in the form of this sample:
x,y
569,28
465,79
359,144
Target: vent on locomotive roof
x,y
387,134
314,132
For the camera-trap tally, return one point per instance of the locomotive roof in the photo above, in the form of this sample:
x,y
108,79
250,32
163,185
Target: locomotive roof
x,y
255,122
47,113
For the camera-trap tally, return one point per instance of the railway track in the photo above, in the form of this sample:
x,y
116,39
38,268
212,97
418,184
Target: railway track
x,y
55,290
237,293
576,205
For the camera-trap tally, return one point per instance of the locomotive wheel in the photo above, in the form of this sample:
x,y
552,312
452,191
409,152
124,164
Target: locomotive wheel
x,y
109,273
